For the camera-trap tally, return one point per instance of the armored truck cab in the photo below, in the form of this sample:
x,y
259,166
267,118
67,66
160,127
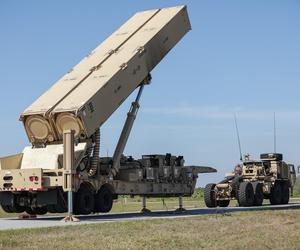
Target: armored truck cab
x,y
268,178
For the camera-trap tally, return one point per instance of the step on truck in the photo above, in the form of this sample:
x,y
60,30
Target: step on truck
x,y
268,178
36,180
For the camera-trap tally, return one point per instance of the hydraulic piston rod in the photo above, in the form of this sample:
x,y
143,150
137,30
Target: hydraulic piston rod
x,y
131,115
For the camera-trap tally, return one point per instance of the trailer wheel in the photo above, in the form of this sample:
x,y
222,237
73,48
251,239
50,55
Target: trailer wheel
x,y
40,210
258,193
14,207
103,200
245,194
7,208
276,194
84,201
36,210
209,195
17,208
30,211
285,193
223,203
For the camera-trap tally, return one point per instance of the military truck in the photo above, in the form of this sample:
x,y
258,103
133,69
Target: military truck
x,y
37,181
268,178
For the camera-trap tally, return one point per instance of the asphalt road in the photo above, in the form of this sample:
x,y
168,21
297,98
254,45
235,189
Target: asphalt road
x,y
54,221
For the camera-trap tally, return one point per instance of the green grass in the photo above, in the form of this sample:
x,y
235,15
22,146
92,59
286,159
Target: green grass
x,y
243,230
297,187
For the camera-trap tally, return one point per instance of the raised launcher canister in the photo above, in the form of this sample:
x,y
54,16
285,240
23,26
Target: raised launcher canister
x,y
85,97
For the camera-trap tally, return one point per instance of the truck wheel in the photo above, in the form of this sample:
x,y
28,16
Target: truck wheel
x,y
223,203
276,194
17,208
84,201
30,211
245,194
7,208
36,210
285,193
258,193
209,195
14,207
103,200
40,210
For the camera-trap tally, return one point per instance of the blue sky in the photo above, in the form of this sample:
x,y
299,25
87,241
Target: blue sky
x,y
240,57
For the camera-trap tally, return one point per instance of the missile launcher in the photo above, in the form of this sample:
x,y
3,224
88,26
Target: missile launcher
x,y
86,96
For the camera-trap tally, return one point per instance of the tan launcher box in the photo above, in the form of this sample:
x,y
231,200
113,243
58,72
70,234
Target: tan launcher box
x,y
85,97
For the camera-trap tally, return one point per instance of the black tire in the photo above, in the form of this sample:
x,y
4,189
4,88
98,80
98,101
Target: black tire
x,y
36,210
285,198
84,201
276,194
245,194
223,203
209,195
7,208
40,210
14,207
30,211
258,193
103,200
18,209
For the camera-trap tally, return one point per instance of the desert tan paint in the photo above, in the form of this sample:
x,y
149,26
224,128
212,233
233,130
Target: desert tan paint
x,y
85,98
61,88
11,162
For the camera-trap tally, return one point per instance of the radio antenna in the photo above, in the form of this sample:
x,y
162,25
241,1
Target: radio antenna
x,y
274,121
238,137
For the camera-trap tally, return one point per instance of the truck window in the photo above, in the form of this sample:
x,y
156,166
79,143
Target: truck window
x,y
292,169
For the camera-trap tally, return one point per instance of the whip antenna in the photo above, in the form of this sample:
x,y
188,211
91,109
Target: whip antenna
x,y
238,137
274,132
